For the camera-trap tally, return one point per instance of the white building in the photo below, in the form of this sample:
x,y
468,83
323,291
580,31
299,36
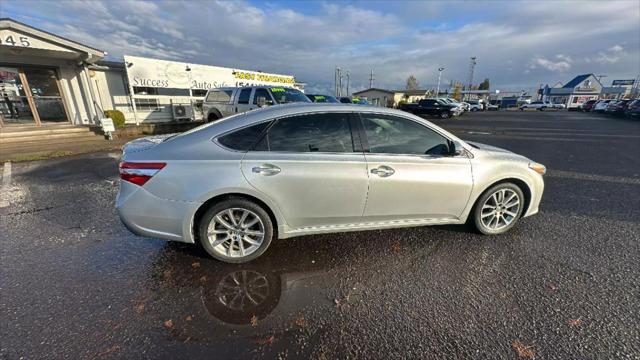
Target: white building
x,y
46,79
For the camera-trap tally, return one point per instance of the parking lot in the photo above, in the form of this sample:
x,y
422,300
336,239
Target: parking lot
x,y
562,284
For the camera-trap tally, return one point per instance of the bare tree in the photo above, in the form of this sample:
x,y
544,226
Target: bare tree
x,y
412,83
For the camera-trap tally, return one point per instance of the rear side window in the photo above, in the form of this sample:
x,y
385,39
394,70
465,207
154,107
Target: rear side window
x,y
329,132
244,96
219,96
241,140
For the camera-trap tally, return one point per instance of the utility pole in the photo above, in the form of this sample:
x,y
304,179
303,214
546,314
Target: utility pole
x,y
440,70
472,65
337,77
371,79
348,79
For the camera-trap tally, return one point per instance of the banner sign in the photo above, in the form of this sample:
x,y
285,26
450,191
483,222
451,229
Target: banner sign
x,y
146,72
623,82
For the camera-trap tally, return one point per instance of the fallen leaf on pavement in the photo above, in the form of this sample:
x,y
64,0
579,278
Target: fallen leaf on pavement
x,y
189,318
576,322
140,308
168,324
203,278
395,247
195,265
110,350
300,320
268,341
522,350
254,321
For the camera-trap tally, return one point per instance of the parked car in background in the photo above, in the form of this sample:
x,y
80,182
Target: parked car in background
x,y
601,106
617,107
633,109
536,105
222,102
587,106
433,107
299,169
475,105
466,106
540,105
493,107
322,98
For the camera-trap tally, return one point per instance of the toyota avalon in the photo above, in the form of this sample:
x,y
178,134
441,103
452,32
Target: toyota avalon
x,y
288,170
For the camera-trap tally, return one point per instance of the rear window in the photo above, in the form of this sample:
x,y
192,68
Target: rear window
x,y
241,140
219,96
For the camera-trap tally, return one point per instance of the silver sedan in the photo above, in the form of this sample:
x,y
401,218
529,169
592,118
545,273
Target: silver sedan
x,y
290,170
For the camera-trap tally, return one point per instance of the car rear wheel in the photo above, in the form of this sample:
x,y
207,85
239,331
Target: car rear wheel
x,y
445,115
498,209
236,231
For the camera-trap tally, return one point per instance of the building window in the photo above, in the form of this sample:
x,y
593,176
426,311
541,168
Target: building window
x,y
139,90
148,105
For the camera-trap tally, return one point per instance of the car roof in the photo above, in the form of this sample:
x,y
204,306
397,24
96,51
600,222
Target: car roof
x,y
252,117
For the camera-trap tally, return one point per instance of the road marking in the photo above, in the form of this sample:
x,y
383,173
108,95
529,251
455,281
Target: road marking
x,y
6,175
6,181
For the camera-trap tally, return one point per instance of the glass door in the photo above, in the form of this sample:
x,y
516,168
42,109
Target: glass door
x,y
14,103
43,84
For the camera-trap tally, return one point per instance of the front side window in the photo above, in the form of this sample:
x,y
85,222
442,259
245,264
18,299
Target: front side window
x,y
394,135
241,140
329,132
244,96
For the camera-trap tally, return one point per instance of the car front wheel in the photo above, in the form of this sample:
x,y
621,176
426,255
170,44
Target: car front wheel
x,y
236,231
445,115
498,209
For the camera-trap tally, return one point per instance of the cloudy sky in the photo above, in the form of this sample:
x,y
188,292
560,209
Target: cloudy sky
x,y
518,44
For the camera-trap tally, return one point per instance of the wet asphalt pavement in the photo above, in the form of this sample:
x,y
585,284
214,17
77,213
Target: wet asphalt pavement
x,y
75,284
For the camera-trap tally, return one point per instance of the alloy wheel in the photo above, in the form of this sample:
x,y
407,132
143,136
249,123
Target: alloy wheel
x,y
235,232
242,290
500,209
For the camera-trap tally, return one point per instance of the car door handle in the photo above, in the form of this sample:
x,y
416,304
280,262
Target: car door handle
x,y
266,170
383,171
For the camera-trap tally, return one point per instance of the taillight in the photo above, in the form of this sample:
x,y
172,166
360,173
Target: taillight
x,y
139,173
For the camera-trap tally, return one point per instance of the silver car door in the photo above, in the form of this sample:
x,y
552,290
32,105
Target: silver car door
x,y
307,165
412,176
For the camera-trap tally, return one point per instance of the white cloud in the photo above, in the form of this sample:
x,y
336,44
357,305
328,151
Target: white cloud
x,y
562,64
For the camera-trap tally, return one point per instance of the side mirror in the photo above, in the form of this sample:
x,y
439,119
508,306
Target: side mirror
x,y
455,148
262,101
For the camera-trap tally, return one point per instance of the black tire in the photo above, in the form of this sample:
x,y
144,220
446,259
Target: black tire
x,y
213,117
477,210
232,203
445,115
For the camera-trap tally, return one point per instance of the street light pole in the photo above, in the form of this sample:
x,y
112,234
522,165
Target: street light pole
x,y
440,70
193,113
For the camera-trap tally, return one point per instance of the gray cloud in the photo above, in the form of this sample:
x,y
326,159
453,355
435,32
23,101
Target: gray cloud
x,y
518,44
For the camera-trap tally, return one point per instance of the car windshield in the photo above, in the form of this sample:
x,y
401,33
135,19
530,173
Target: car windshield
x,y
284,95
323,99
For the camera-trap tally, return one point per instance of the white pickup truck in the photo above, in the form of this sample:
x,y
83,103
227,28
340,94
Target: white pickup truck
x,y
226,101
539,105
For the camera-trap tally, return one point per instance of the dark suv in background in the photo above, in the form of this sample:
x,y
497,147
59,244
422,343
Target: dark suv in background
x,y
434,107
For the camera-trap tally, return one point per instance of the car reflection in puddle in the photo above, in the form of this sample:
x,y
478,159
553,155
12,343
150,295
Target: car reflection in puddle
x,y
208,300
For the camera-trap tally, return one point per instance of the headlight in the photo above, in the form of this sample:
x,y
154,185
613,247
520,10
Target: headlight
x,y
539,168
